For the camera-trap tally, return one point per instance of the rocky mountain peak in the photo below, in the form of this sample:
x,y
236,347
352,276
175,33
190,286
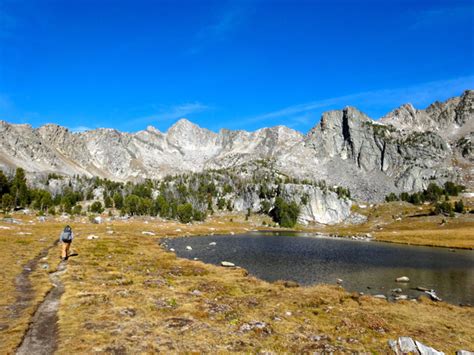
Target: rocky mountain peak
x,y
188,134
465,109
51,129
152,129
183,125
404,151
355,114
443,117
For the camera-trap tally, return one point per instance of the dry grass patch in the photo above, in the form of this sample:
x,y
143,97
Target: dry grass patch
x,y
125,293
401,222
24,281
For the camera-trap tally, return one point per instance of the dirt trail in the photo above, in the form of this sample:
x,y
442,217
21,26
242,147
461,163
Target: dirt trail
x,y
24,289
41,337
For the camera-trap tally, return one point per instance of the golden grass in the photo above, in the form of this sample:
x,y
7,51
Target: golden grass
x,y
18,245
123,292
400,222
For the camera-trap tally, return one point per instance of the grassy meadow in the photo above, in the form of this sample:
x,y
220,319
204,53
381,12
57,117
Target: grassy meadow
x,y
125,293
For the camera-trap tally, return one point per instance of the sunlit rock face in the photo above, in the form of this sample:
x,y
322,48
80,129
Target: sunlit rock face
x,y
404,151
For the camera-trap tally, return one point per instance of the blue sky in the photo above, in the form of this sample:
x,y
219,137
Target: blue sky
x,y
227,64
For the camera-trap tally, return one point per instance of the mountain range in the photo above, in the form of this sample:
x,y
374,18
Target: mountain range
x,y
403,151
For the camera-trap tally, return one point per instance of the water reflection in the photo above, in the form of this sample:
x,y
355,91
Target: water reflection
x,y
364,266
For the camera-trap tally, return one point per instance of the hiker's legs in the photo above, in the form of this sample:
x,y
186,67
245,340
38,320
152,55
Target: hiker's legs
x,y
65,250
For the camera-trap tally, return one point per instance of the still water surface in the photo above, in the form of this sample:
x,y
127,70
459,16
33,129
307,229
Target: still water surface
x,y
368,267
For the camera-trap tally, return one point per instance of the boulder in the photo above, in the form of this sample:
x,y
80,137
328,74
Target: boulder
x,y
402,279
406,345
433,295
401,297
227,264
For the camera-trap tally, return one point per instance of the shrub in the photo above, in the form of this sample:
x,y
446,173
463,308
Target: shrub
x,y
221,203
452,189
185,213
459,206
96,207
108,202
443,208
118,200
131,204
392,197
305,199
285,214
199,215
7,203
77,209
433,192
266,206
415,198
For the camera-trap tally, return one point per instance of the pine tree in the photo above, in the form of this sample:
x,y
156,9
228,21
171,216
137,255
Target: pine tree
x,y
19,189
7,203
118,200
185,213
459,206
4,184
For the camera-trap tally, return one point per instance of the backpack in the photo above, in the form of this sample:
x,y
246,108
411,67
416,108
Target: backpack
x,y
66,235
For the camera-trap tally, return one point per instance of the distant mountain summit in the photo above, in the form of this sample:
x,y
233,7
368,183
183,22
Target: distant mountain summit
x,y
404,151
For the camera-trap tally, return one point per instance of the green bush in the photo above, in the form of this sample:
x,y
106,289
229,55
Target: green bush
x,y
118,200
443,208
199,215
452,189
285,214
7,203
131,205
432,193
77,209
185,213
221,203
96,207
108,202
459,206
392,197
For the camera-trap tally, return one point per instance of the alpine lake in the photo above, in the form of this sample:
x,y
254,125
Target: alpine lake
x,y
359,266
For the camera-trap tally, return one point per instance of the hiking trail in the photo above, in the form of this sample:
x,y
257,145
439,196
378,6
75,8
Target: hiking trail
x,y
41,337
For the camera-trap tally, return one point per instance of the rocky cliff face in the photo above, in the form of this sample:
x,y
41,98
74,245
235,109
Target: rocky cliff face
x,y
321,207
404,151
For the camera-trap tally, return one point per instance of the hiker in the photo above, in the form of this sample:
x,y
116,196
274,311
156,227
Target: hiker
x,y
66,238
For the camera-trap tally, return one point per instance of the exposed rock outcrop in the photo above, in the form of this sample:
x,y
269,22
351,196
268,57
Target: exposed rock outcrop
x,y
404,151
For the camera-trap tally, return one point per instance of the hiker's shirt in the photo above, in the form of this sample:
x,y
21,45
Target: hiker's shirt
x,y
61,237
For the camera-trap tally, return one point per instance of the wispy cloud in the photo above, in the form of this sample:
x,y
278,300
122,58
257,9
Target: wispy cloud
x,y
227,21
420,95
166,114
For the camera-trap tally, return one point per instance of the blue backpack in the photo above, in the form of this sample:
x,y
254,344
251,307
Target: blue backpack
x,y
66,235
